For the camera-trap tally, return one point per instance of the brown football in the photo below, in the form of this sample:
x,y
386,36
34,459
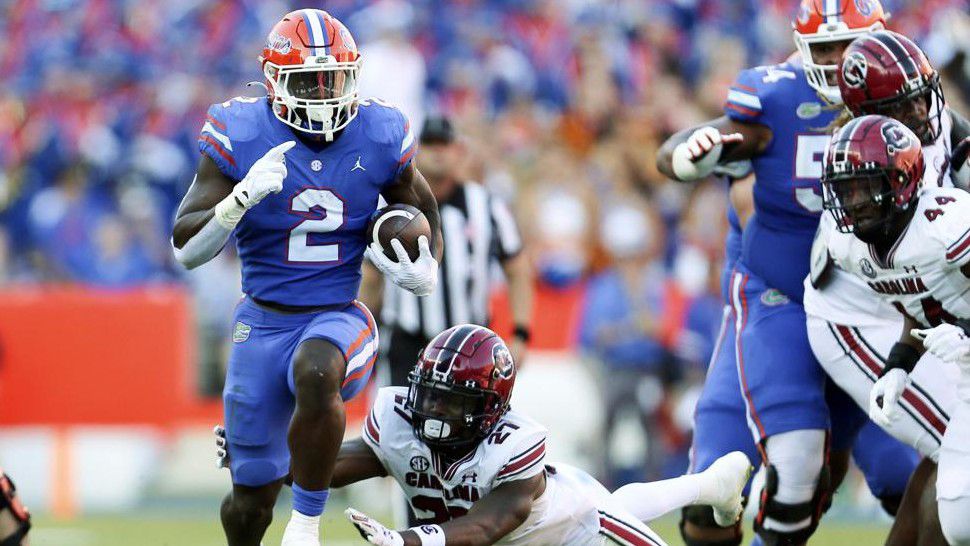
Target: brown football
x,y
402,222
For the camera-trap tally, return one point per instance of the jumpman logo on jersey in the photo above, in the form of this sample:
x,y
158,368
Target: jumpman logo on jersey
x,y
358,166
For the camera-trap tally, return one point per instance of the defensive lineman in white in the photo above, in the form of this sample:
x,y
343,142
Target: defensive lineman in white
x,y
912,248
850,327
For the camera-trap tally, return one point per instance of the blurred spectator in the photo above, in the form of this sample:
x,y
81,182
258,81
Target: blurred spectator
x,y
629,321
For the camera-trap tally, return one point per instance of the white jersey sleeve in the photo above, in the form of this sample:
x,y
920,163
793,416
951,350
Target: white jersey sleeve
x,y
526,453
949,210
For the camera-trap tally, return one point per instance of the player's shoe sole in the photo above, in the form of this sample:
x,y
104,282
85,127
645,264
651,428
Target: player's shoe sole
x,y
729,474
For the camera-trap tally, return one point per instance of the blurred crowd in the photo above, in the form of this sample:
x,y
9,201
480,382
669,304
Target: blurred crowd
x,y
561,105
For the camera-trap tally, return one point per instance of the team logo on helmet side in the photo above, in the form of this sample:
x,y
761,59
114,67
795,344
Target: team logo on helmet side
x,y
279,43
855,68
865,7
503,362
897,140
803,13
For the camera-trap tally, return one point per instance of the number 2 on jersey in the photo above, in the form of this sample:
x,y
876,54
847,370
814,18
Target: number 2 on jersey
x,y
809,150
308,204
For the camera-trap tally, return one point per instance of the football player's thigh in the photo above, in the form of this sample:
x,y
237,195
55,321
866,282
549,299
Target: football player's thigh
x,y
953,479
781,381
720,423
257,403
845,354
353,332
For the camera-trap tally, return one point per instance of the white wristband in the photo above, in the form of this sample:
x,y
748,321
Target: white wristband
x,y
229,212
430,535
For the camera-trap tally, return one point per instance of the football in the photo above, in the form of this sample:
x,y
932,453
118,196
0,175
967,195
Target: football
x,y
402,222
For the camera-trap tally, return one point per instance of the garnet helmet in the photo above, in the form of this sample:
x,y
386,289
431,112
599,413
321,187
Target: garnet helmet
x,y
460,387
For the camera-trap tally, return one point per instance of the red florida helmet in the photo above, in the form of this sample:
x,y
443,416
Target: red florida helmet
x,y
460,387
873,168
312,67
825,21
885,73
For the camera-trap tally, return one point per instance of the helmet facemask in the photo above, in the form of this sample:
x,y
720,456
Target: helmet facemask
x,y
447,416
318,97
862,200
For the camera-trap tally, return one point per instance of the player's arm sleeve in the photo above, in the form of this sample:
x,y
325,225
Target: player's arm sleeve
x,y
954,230
215,142
371,429
507,240
528,459
745,98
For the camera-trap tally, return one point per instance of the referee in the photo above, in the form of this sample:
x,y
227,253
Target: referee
x,y
478,230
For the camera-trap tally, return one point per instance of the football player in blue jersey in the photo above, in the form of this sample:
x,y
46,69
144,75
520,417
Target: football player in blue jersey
x,y
296,176
776,116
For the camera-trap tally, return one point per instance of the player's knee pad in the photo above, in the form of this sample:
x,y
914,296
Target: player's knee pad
x,y
955,520
703,516
801,518
19,516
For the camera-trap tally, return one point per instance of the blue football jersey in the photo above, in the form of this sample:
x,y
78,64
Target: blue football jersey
x,y
787,197
304,245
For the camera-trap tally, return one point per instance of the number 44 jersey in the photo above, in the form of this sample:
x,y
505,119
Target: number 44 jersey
x,y
921,275
304,245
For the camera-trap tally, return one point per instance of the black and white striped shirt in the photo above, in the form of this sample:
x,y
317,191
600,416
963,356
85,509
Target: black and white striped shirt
x,y
478,229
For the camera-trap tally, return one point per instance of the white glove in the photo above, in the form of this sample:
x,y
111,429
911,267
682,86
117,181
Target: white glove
x,y
419,277
890,388
947,341
222,452
697,157
372,530
264,177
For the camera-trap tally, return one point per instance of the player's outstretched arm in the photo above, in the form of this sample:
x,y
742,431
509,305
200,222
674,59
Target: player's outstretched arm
x,y
411,188
356,462
497,514
692,153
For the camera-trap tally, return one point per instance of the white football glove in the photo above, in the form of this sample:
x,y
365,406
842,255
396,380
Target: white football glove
x,y
888,390
948,342
222,451
264,177
698,155
372,530
419,277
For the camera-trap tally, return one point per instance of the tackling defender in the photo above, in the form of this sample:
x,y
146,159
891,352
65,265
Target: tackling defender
x,y
296,176
475,472
912,249
776,116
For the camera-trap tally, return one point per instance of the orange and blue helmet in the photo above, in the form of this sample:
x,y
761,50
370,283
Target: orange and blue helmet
x,y
824,21
312,69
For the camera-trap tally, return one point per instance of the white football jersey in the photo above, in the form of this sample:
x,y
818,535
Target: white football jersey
x,y
846,299
921,275
573,510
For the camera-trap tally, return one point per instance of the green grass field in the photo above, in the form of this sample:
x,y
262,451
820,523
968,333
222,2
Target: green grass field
x,y
195,530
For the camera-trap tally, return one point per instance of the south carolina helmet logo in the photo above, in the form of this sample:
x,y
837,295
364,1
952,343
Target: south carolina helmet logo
x,y
855,67
897,140
504,366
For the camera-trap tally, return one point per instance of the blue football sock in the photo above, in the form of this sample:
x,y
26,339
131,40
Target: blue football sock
x,y
309,503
